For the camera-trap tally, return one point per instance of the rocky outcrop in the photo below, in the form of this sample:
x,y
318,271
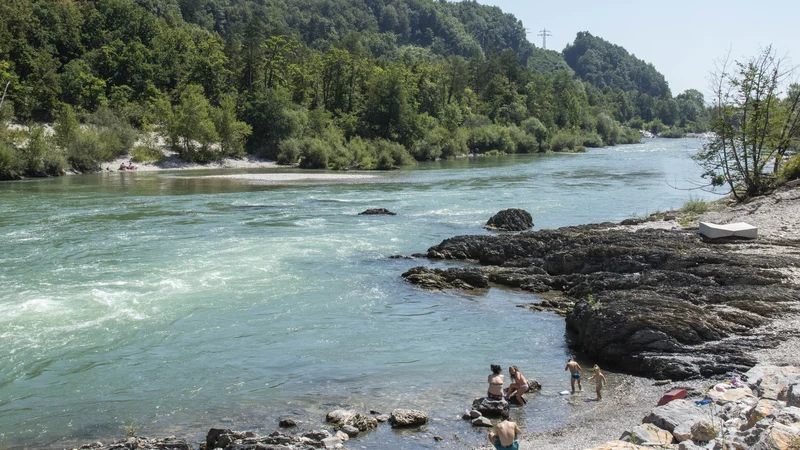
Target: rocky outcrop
x,y
377,212
140,443
659,302
454,278
510,220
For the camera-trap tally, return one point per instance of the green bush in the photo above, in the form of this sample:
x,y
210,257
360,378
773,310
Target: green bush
x,y
523,142
491,137
695,206
146,154
791,170
398,154
289,151
9,162
536,128
314,154
116,133
456,145
86,151
629,136
591,140
563,141
637,124
673,133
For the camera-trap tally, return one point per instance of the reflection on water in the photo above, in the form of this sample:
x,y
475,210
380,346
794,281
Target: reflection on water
x,y
180,301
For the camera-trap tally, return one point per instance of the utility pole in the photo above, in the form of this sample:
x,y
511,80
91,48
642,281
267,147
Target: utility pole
x,y
544,33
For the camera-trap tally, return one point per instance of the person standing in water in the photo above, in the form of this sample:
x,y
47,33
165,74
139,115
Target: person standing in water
x,y
576,370
600,381
496,380
519,385
504,435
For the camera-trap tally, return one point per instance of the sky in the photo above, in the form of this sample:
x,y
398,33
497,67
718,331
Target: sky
x,y
681,38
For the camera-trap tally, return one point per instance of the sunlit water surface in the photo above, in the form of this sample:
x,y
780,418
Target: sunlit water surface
x,y
174,302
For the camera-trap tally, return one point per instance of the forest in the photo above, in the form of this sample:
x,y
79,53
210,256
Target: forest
x,y
336,84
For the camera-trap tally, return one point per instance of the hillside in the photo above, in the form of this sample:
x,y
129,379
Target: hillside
x,y
327,83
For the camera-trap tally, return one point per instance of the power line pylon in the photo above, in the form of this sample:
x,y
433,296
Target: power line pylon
x,y
544,33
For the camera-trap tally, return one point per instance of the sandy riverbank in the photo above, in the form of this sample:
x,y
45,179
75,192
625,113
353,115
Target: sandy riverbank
x,y
174,163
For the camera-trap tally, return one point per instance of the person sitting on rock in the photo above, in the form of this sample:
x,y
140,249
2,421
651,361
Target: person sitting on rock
x,y
600,381
496,380
504,435
519,385
576,370
122,166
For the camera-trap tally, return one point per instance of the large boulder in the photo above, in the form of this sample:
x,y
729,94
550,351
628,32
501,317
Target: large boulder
x,y
704,431
510,220
647,433
339,416
402,418
675,413
490,407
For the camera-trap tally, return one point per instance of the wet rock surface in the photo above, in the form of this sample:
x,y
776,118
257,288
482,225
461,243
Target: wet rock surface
x,y
377,212
510,220
659,302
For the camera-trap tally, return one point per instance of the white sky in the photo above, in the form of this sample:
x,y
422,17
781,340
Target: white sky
x,y
681,38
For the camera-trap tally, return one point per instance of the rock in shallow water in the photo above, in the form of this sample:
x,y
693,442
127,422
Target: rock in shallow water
x,y
401,418
510,220
377,212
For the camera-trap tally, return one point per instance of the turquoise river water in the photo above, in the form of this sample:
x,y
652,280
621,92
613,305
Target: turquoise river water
x,y
172,302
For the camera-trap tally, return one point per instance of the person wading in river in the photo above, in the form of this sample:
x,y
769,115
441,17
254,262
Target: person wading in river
x,y
576,370
504,435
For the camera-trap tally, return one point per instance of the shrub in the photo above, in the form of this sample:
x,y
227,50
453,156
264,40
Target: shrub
x,y
523,142
637,124
629,136
314,154
146,154
41,157
456,145
695,206
491,137
536,128
116,133
791,170
398,154
9,162
563,141
591,140
673,133
289,151
86,150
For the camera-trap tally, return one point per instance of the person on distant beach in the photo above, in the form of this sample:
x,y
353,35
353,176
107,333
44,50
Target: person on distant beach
x,y
519,385
496,380
576,370
122,166
600,381
504,435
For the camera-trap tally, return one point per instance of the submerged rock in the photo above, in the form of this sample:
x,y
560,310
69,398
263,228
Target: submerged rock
x,y
489,407
377,212
510,220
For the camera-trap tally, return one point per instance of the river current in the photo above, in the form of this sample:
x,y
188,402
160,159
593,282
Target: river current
x,y
172,302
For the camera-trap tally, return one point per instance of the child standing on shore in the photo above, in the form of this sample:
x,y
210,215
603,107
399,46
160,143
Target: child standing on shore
x,y
600,381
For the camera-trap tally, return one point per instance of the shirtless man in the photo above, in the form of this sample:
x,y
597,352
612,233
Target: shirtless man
x,y
576,370
504,435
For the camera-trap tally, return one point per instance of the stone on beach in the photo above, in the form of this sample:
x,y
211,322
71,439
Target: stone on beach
x,y
481,422
401,418
339,416
649,433
675,413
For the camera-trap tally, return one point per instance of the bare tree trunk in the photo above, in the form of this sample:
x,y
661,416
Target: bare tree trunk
x,y
2,99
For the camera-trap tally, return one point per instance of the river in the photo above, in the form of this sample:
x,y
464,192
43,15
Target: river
x,y
172,302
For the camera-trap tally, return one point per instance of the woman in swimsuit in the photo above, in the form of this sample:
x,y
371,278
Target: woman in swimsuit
x,y
519,385
496,380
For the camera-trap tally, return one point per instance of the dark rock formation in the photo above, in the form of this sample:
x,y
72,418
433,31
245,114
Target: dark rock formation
x,y
287,423
377,212
510,220
140,443
489,407
662,303
456,278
